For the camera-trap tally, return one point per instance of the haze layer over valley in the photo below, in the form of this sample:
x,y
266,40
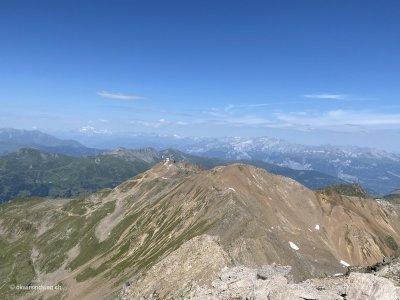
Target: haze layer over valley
x,y
377,171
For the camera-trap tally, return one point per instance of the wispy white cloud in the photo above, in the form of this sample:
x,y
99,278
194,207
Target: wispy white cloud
x,y
232,115
145,110
245,106
258,106
118,96
91,130
326,96
335,118
153,123
249,120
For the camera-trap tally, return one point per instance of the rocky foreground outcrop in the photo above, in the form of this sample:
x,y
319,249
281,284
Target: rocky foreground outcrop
x,y
190,273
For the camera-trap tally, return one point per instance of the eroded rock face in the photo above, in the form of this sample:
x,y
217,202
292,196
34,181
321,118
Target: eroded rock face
x,y
242,283
199,260
371,287
245,283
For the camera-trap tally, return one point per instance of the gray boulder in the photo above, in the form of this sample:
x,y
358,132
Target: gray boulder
x,y
370,287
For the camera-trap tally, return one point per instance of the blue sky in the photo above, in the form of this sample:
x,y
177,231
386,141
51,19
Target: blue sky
x,y
305,70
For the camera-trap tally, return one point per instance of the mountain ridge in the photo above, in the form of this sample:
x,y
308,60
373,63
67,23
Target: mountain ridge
x,y
378,171
31,172
13,139
92,244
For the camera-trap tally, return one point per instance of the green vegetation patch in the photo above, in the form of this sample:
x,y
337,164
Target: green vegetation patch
x,y
391,243
29,172
89,245
353,190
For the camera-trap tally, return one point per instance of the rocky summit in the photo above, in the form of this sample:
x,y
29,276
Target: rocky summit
x,y
181,276
179,231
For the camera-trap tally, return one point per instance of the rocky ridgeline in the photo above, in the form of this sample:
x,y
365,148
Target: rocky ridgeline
x,y
174,278
244,283
273,283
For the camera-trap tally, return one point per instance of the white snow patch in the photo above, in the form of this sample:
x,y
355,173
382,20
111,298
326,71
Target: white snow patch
x,y
317,227
295,165
232,189
164,177
347,177
338,274
293,246
383,202
344,263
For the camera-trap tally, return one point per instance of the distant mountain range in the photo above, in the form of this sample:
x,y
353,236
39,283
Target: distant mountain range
x,y
14,139
377,171
32,172
393,196
395,193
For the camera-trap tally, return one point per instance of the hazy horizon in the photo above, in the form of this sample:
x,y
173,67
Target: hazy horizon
x,y
108,140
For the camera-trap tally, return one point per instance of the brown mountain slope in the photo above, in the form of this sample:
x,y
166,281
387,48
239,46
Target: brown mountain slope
x,y
91,245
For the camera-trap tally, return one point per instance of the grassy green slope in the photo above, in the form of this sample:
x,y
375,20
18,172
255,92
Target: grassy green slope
x,y
353,190
47,227
37,236
32,172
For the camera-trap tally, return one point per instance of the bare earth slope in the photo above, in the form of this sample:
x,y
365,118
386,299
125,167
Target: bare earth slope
x,y
91,245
